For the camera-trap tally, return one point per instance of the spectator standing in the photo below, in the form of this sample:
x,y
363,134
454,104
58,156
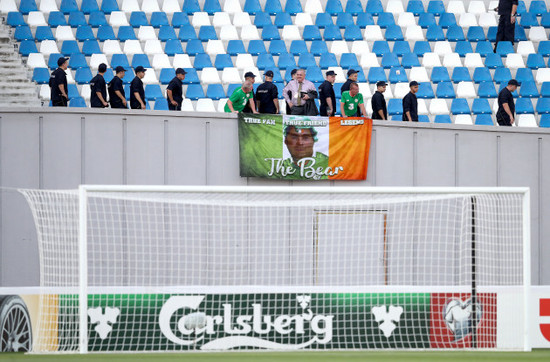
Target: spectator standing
x,y
117,97
410,103
352,101
58,84
297,92
267,95
137,93
240,97
98,97
327,96
174,91
293,76
378,102
506,107
352,78
507,10
249,77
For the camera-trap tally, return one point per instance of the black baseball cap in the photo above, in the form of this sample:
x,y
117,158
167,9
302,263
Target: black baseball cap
x,y
514,82
249,74
61,60
413,83
120,68
269,73
139,68
180,71
381,83
330,72
102,68
352,71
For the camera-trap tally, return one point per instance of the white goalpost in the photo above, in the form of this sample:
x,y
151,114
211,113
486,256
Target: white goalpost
x,y
166,268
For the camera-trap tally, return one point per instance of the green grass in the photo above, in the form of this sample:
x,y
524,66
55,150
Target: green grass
x,y
469,356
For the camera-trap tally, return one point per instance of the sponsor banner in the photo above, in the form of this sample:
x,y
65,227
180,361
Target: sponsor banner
x,y
304,148
539,332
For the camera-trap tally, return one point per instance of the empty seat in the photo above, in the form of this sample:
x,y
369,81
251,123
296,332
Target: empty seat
x,y
460,106
77,60
265,61
373,33
395,106
194,92
436,7
36,60
27,47
514,61
41,75
395,7
286,61
535,61
354,7
537,33
475,34
368,60
543,106
482,74
419,74
83,75
529,89
425,90
250,32
466,90
473,60
376,74
97,59
70,47
445,90
118,18
484,120
385,20
205,105
440,74
527,120
461,74
431,60
414,33
502,75
425,20
43,33
487,20
132,47
439,106
455,33
138,18
273,7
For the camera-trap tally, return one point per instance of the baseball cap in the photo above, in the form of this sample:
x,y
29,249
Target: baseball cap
x,y
249,74
180,71
102,68
514,82
139,68
381,83
413,83
293,71
352,71
120,68
330,72
61,60
269,73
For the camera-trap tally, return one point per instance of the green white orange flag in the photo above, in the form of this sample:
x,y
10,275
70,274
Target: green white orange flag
x,y
303,147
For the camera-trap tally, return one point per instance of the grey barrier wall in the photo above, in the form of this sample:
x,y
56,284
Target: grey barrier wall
x,y
59,149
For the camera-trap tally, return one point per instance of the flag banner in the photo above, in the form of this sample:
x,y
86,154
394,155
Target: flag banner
x,y
304,148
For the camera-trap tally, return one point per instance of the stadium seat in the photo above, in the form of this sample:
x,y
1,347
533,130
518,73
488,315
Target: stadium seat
x,y
535,61
527,120
455,33
220,19
447,20
390,60
545,20
529,89
545,121
205,105
161,61
463,47
241,19
265,61
138,19
359,47
293,7
194,47
401,47
493,61
363,20
442,47
466,90
482,74
464,119
180,19
34,19
140,59
76,19
385,20
97,59
132,47
452,60
416,7
27,47
244,61
326,60
282,19
23,32
333,7
395,107
545,90
211,6
537,33
118,18
376,74
393,6
393,33
83,75
380,47
431,60
200,19
435,33
445,90
231,75
436,7
331,33
421,47
484,48
146,33
425,20
425,90
419,74
524,75
475,34
187,33
277,47
440,74
286,61
524,106
406,19
262,19
167,32
439,106
373,33
543,106
41,75
270,32
15,18
306,60
456,7
77,102
298,47
215,91
153,92
47,47
166,75
202,60
69,47
207,32
252,7
442,118
77,60
514,61
120,60
250,32
481,106
484,120
502,75
467,20
504,48
191,77
161,104
106,32
126,33
84,32
36,60
43,33
153,47
191,6
543,75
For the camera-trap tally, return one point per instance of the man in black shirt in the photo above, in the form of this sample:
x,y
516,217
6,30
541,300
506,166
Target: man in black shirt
x,y
174,91
58,84
507,9
137,93
117,98
352,78
267,95
410,103
326,95
293,76
249,77
506,106
98,98
379,110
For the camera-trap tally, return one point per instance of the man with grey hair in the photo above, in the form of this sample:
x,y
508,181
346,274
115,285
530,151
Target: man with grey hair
x,y
240,97
298,91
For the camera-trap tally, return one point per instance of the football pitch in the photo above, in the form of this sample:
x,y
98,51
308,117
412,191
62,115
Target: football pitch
x,y
447,356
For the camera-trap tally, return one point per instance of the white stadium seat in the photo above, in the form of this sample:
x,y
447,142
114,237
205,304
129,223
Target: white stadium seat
x,y
456,7
339,47
406,19
473,60
526,120
442,47
86,92
438,106
525,48
215,47
231,75
161,61
205,105
250,32
401,89
171,6
290,32
150,6
132,46
36,18
414,33
487,20
64,32
537,33
187,105
395,7
543,75
313,7
369,60
220,19
452,60
111,46
97,59
118,18
464,119
467,19
466,90
182,61
477,7
70,78
153,47
303,19
48,47
210,75
232,7
514,61
150,77
244,60
419,74
241,19
146,33
229,32
340,74
8,5
364,89
360,47
221,105
36,60
373,33
129,6
45,92
47,6
431,60
254,70
422,108
200,19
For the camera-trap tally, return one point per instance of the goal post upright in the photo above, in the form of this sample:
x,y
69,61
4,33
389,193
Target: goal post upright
x,y
83,269
526,266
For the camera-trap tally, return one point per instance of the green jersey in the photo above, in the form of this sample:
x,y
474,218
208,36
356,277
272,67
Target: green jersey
x,y
239,99
307,168
351,103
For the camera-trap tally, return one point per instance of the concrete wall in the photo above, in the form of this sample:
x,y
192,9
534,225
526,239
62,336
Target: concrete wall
x,y
45,148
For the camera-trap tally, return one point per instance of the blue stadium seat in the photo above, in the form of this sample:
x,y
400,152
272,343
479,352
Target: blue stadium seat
x,y
223,61
528,20
83,75
455,33
353,32
211,7
194,92
354,7
463,47
380,47
482,74
161,104
282,19
108,76
545,121
445,90
140,59
442,118
273,7
410,60
519,34
306,60
493,61
56,18
524,106
421,47
277,47
502,75
52,60
194,47
395,106
416,7
398,75
128,77
235,47
333,7
374,7
106,32
84,32
192,77
298,47
328,60
349,61
89,6
167,32
338,90
436,7
425,90
265,61
153,92
484,120
447,20
492,34
293,7
311,32
401,47
180,19
389,60
166,75
97,19
159,19
545,90
524,75
318,47
521,7
191,6
76,19
68,6
461,74
529,89
77,102
90,47
202,60
545,20
270,32
70,47
397,118
138,18
393,33
460,106
423,118
215,91
231,88
314,74
286,61
187,33
376,74
332,32
15,18
535,61
126,32
108,6
277,78
484,48
440,74
77,60
544,48
323,20
481,106
426,19
364,19
26,47
26,6
543,106
385,20
23,32
344,19
435,33
476,33
41,75
262,19
538,7
252,7
207,32
43,33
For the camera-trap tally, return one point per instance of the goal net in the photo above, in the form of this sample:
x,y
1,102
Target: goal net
x,y
129,268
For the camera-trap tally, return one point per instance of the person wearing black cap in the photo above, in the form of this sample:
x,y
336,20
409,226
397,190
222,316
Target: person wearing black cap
x,y
378,102
58,84
137,93
507,10
327,96
117,97
174,91
267,95
293,76
352,78
249,77
410,103
506,106
98,98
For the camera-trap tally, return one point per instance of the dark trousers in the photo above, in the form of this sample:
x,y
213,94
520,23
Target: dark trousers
x,y
503,120
60,103
506,30
174,108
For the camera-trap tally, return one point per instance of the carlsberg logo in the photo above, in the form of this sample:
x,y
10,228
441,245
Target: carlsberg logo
x,y
242,330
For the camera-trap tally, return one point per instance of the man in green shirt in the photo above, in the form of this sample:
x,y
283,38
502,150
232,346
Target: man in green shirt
x,y
240,97
300,141
351,100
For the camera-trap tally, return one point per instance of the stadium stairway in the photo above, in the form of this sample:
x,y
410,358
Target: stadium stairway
x,y
16,87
